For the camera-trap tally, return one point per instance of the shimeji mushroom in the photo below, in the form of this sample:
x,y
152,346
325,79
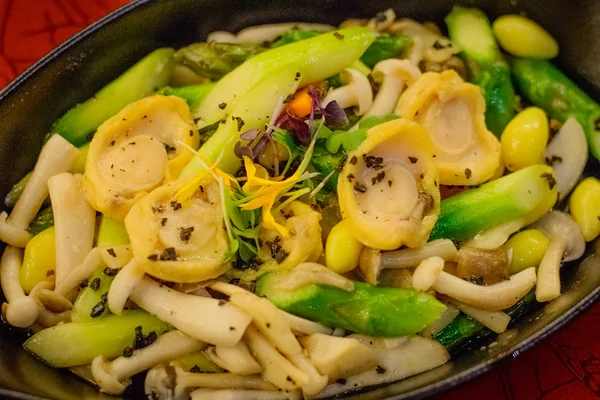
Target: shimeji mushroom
x,y
57,156
187,381
113,377
159,383
56,311
74,222
382,21
387,190
494,297
373,261
356,92
310,273
222,323
452,111
495,320
393,76
427,273
21,310
135,151
264,33
428,45
236,359
122,286
243,394
568,153
566,244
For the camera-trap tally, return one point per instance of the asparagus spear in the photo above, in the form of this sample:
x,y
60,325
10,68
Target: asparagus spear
x,y
371,310
470,29
78,343
42,221
192,94
548,88
513,196
152,72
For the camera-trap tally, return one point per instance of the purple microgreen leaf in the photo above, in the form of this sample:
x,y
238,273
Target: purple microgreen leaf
x,y
250,134
300,128
240,151
260,145
334,115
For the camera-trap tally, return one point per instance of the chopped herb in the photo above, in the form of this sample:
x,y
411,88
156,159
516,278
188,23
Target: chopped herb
x,y
353,160
380,370
298,74
289,98
110,271
127,352
175,205
163,221
191,132
232,328
390,183
438,46
153,257
169,254
350,177
373,162
158,208
551,181
413,160
553,159
50,272
222,302
342,381
268,324
111,252
468,173
185,233
240,123
169,148
99,308
338,35
422,175
378,178
195,369
132,143
222,106
112,143
360,188
84,283
95,285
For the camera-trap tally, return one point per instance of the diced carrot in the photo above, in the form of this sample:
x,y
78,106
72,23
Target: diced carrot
x,y
302,103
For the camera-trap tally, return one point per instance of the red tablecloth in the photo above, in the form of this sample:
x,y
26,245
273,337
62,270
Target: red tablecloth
x,y
566,366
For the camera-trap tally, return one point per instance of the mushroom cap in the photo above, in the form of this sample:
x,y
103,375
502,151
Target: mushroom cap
x,y
403,69
370,264
558,225
361,88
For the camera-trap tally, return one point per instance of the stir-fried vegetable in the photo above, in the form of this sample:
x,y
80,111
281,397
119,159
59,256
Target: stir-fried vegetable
x,y
192,95
548,88
470,29
152,72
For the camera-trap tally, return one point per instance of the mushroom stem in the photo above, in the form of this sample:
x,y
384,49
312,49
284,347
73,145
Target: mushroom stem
x,y
221,323
236,359
356,92
495,297
56,156
21,311
122,286
227,380
548,284
243,394
74,221
495,320
427,273
114,377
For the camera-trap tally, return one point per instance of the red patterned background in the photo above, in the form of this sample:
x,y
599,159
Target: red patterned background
x,y
566,366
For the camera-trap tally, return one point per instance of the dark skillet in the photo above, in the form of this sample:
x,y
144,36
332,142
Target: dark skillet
x,y
82,65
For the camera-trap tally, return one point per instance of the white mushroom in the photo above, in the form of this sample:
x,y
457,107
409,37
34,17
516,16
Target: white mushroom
x,y
185,381
566,244
373,261
243,394
338,357
48,317
74,221
494,297
316,381
113,257
236,359
382,20
393,76
113,377
568,153
495,320
56,156
276,368
270,32
356,92
122,286
427,273
414,356
222,37
309,273
159,383
221,323
21,311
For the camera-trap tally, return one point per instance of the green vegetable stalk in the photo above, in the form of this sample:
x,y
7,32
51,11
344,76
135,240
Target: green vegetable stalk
x,y
192,94
78,343
470,29
215,60
91,302
548,88
371,310
152,72
464,328
42,221
313,59
513,196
